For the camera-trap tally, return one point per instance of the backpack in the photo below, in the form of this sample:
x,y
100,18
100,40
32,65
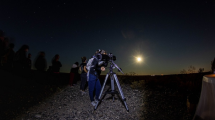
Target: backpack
x,y
89,64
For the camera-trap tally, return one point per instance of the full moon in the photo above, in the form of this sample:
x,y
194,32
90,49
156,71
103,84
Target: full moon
x,y
139,59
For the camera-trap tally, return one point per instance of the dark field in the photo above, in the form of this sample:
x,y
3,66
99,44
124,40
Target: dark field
x,y
23,90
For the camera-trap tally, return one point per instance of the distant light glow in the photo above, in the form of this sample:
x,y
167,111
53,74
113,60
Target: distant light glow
x,y
139,59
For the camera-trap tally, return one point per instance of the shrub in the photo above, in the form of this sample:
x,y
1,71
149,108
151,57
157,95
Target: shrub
x,y
124,79
137,84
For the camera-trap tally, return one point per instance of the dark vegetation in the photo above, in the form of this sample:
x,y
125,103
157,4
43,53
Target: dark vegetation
x,y
22,90
186,87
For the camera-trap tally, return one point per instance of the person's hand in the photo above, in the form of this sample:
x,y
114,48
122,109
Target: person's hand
x,y
102,68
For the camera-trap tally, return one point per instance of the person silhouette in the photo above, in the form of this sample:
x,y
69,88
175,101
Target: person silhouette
x,y
56,64
21,57
2,46
41,63
28,62
74,74
7,60
83,70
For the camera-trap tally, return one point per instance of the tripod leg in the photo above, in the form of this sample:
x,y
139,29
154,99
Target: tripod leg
x,y
99,99
112,86
120,90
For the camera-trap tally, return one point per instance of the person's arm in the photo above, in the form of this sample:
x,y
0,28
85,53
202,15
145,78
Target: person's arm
x,y
96,66
79,68
85,70
100,68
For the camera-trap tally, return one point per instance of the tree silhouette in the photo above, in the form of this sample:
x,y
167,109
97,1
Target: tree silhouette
x,y
183,71
201,70
191,69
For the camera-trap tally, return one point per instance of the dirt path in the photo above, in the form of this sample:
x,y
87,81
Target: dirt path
x,y
147,104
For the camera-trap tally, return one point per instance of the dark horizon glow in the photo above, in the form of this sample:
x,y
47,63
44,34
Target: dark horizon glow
x,y
169,36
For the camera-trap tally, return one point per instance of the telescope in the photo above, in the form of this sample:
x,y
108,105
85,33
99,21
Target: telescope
x,y
103,61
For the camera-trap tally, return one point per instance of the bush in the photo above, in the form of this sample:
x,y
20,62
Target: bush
x,y
138,84
127,78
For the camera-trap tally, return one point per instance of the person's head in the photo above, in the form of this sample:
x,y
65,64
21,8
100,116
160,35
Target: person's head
x,y
42,54
83,59
100,51
77,63
24,48
57,57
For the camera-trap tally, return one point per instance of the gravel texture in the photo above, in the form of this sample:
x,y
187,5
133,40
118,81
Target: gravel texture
x,y
148,103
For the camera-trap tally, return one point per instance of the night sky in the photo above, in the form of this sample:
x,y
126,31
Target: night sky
x,y
168,35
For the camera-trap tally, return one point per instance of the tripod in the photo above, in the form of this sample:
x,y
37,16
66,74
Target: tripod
x,y
112,91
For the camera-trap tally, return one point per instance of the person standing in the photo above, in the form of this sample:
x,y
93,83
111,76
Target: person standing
x,y
74,74
93,81
2,46
8,57
83,70
20,58
28,62
41,63
56,64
